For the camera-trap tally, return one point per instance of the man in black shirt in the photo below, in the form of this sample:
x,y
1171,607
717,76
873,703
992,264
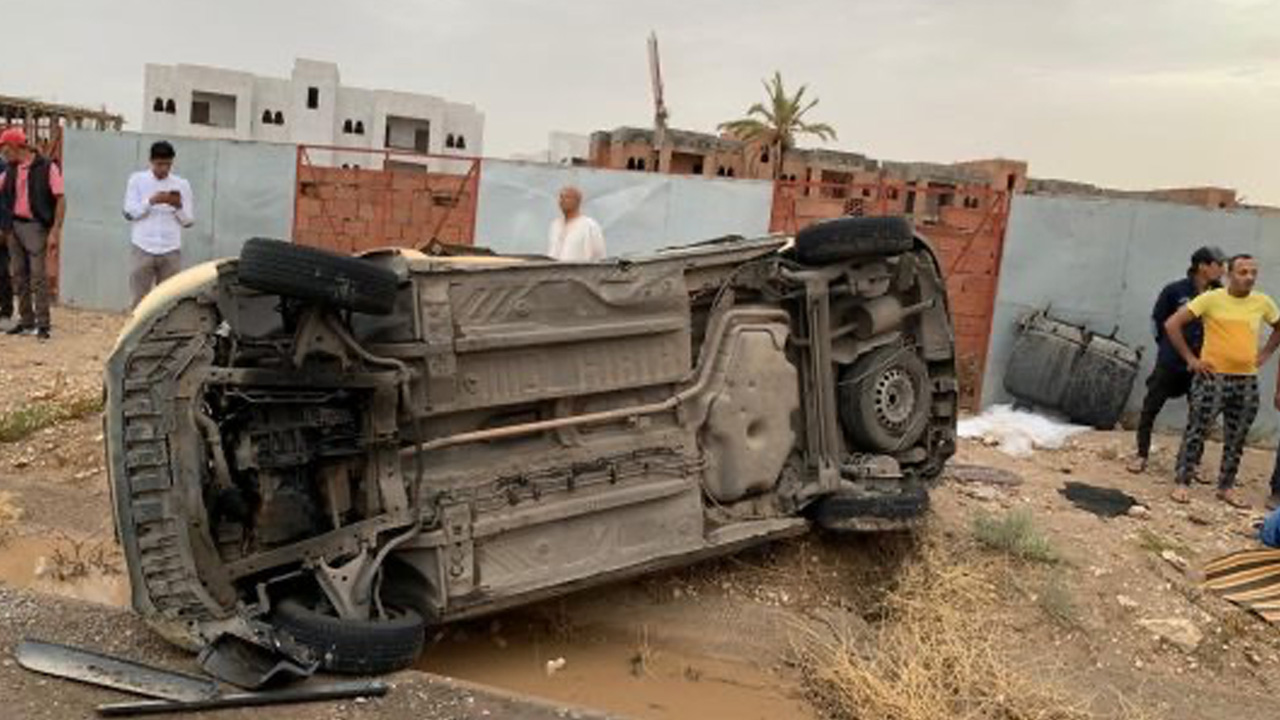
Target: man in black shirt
x,y
1171,378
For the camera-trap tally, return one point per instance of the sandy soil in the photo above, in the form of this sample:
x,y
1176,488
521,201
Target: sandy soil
x,y
714,640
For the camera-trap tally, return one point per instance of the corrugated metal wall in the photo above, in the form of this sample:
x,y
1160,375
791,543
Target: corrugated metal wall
x,y
1101,263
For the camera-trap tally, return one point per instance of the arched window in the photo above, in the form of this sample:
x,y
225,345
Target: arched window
x,y
720,171
764,155
359,127
631,163
266,117
346,126
279,118
462,143
640,164
729,172
158,106
448,140
170,108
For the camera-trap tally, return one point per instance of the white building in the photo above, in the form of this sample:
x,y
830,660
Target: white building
x,y
311,107
563,148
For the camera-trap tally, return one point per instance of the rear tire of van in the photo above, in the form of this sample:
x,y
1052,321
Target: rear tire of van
x,y
319,276
853,237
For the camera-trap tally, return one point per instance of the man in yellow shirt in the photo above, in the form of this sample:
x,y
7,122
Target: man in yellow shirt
x,y
1226,372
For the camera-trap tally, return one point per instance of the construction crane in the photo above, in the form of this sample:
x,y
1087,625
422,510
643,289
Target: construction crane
x,y
659,106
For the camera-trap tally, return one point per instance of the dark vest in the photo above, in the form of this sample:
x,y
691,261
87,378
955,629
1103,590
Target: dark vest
x,y
41,199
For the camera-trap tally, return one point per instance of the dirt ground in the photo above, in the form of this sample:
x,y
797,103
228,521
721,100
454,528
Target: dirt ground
x,y
721,639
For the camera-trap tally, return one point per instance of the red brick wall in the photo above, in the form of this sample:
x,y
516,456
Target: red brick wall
x,y
351,210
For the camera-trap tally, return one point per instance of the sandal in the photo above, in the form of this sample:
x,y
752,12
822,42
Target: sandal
x,y
1180,495
1137,465
1229,497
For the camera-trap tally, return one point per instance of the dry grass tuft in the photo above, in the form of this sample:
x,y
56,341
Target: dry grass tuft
x,y
10,514
1056,601
1156,543
1015,534
937,653
643,655
72,559
26,420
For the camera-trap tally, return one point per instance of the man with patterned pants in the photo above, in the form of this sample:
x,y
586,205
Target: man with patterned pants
x,y
1226,372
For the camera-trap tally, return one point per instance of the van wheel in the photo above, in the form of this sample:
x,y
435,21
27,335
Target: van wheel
x,y
884,400
314,275
358,647
851,237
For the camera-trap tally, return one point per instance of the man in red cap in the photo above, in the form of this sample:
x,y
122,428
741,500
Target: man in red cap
x,y
31,188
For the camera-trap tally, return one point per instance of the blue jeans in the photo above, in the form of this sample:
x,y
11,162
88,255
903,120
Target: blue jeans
x,y
1270,534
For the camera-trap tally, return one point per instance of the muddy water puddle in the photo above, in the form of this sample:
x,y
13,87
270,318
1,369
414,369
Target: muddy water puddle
x,y
628,671
70,567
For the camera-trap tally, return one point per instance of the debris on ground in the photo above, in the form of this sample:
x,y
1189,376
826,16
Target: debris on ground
x,y
982,474
1250,579
359,691
1140,512
1180,632
1018,432
1101,501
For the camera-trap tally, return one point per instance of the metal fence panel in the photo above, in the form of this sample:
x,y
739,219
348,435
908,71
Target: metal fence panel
x,y
1101,263
241,190
638,212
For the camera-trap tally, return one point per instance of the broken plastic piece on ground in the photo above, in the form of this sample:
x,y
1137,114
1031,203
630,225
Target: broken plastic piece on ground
x,y
1017,432
1101,501
249,666
111,672
316,693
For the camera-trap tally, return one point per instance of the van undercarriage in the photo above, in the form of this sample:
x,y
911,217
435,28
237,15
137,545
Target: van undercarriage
x,y
321,455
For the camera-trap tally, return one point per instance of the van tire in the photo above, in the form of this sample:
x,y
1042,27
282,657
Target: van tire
x,y
357,647
319,276
853,237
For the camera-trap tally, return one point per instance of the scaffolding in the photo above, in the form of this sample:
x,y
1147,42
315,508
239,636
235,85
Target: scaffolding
x,y
43,122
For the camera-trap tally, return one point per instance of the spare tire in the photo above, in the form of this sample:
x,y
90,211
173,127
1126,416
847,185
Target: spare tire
x,y
884,400
358,647
850,237
314,275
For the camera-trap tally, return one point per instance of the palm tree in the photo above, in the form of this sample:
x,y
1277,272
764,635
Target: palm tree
x,y
776,125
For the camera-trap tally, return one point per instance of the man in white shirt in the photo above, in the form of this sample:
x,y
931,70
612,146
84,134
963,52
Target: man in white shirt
x,y
574,237
158,205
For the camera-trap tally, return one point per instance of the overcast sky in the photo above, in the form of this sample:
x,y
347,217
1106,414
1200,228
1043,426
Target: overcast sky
x,y
1127,93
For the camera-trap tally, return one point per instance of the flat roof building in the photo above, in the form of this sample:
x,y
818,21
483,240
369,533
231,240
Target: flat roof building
x,y
311,107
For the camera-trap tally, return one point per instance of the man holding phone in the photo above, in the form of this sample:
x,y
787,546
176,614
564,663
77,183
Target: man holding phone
x,y
158,205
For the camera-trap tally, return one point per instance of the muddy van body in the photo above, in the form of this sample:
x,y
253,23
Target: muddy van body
x,y
322,455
